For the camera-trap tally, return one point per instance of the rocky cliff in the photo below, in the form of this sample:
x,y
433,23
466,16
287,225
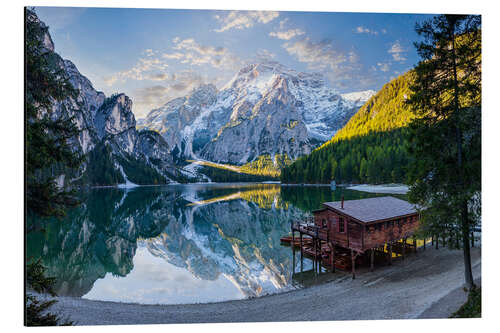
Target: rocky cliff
x,y
116,152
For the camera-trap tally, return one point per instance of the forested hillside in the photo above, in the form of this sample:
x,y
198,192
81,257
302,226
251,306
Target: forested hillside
x,y
370,148
385,111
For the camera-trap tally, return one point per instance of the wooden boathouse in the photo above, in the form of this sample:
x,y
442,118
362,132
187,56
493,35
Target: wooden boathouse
x,y
357,229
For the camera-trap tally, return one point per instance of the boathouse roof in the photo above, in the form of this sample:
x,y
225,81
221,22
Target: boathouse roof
x,y
373,209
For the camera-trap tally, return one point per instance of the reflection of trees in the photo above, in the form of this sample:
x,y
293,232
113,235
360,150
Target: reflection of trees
x,y
309,198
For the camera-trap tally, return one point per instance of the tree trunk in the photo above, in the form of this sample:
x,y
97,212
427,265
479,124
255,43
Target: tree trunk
x,y
469,280
464,214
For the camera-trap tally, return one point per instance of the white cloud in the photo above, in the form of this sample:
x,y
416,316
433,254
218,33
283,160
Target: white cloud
x,y
244,19
153,67
188,51
318,55
364,30
145,69
397,51
263,55
383,66
178,85
341,68
282,23
286,35
175,55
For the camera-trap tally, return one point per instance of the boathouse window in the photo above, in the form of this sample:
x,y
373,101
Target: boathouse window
x,y
341,225
323,223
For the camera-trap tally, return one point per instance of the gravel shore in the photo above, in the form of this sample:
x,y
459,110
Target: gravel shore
x,y
426,285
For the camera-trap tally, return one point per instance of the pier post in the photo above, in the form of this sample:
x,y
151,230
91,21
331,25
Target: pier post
x,y
301,250
372,259
315,248
301,253
424,242
353,265
390,253
332,256
404,248
472,238
437,242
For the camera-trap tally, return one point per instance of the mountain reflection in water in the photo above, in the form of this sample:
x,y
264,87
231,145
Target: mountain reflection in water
x,y
177,244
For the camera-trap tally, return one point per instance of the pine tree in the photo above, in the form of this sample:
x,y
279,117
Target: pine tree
x,y
46,138
446,135
46,148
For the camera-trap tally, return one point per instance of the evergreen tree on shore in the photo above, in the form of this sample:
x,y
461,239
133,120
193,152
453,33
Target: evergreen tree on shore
x,y
47,148
46,138
445,137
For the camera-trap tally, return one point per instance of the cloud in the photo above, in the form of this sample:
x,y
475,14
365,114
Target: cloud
x,y
363,30
282,23
263,55
383,66
145,69
176,55
341,68
188,51
244,19
286,35
318,55
153,66
397,51
178,85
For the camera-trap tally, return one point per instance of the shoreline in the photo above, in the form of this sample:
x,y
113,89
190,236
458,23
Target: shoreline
x,y
421,286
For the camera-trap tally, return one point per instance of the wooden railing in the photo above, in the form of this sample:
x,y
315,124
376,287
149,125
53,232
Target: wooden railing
x,y
309,228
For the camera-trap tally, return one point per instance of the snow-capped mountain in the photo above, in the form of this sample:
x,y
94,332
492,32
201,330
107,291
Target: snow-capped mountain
x,y
265,109
359,96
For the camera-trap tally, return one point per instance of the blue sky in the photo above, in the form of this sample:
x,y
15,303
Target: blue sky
x,y
154,55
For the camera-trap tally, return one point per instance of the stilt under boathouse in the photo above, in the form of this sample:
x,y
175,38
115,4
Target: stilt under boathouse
x,y
342,234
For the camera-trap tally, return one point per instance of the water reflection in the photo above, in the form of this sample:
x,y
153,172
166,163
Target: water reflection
x,y
177,244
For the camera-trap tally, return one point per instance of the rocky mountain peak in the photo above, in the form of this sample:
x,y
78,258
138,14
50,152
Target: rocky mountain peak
x,y
205,94
114,116
46,38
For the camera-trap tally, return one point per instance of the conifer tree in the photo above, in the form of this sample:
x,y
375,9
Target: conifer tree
x,y
46,138
46,146
446,134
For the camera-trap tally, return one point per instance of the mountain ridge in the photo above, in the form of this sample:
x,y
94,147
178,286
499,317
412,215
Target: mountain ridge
x,y
265,109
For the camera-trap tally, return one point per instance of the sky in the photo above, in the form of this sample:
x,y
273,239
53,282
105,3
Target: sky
x,y
155,55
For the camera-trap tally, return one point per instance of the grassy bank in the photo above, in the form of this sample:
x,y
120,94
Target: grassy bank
x,y
471,308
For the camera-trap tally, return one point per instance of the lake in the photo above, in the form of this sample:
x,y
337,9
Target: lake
x,y
178,244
